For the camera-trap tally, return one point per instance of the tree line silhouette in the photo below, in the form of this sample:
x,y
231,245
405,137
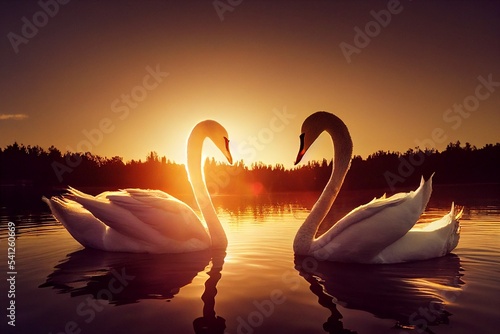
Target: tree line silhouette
x,y
32,167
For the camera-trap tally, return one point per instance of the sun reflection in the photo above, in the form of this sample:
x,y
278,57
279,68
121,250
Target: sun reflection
x,y
257,188
446,290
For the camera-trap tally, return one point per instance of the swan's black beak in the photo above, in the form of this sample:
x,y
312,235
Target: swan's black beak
x,y
302,150
228,155
299,157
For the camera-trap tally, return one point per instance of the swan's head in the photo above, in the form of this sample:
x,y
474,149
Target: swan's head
x,y
312,127
218,135
321,121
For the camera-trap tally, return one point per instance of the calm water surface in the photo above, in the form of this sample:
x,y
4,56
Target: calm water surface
x,y
257,286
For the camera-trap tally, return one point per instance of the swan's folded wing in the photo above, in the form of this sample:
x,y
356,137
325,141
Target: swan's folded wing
x,y
147,195
80,223
116,217
145,198
368,229
431,240
162,212
365,211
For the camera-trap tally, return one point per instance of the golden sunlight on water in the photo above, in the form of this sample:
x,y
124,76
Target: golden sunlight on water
x,y
257,285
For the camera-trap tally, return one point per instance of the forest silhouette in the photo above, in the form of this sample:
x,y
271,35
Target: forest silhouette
x,y
34,170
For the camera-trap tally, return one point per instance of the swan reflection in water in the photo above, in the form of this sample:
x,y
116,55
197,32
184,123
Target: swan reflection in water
x,y
209,323
124,278
413,294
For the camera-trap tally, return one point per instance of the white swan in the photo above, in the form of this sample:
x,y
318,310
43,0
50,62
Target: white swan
x,y
381,231
148,221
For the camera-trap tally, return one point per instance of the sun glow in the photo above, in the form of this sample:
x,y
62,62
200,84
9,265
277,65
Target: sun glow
x,y
153,94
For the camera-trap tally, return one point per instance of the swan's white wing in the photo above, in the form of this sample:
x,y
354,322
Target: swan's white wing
x,y
436,239
116,217
370,228
115,228
148,195
162,212
89,231
80,223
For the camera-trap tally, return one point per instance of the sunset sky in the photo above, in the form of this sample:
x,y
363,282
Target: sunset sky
x,y
129,77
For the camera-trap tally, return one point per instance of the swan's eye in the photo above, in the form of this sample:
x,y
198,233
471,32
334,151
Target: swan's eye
x,y
227,143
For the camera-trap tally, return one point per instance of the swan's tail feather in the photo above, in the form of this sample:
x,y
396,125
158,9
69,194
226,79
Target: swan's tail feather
x,y
427,191
458,212
454,234
46,200
81,224
78,193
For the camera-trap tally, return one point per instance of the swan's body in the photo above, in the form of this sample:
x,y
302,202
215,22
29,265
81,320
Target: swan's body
x,y
381,231
148,221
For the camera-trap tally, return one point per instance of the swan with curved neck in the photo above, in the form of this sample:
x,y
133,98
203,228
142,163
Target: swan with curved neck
x,y
148,221
381,231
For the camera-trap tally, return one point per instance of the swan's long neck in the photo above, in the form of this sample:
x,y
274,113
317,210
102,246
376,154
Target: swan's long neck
x,y
197,179
342,144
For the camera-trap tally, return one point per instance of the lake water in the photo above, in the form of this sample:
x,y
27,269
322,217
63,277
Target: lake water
x,y
257,286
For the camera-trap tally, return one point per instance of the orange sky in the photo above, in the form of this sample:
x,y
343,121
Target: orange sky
x,y
128,77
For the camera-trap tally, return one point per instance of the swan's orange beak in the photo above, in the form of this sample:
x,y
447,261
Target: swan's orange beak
x,y
302,150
